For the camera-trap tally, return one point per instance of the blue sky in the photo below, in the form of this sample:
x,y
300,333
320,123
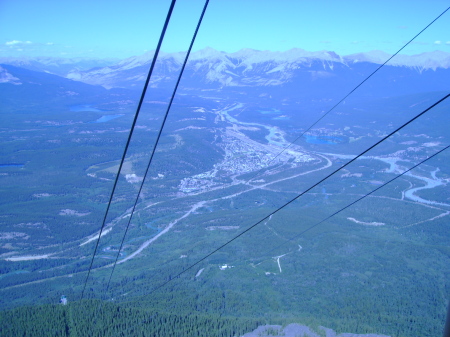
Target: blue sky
x,y
118,28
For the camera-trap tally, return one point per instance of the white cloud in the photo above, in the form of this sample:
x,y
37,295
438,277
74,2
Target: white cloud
x,y
437,42
448,42
13,42
49,43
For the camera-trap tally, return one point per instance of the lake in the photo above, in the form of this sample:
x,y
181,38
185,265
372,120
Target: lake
x,y
84,107
106,118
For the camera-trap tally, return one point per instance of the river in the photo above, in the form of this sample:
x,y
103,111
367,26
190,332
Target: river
x,y
395,168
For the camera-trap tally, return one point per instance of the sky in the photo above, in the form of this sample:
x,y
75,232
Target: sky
x,y
120,29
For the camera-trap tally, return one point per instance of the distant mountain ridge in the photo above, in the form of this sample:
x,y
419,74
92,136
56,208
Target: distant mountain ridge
x,y
292,73
57,65
22,89
248,67
423,61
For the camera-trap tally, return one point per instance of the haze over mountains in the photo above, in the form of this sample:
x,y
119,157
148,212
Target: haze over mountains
x,y
219,167
295,76
57,65
212,69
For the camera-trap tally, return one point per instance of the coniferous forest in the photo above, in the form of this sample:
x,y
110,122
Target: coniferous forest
x,y
271,197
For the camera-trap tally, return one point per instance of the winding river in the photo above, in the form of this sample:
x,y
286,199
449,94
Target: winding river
x,y
395,168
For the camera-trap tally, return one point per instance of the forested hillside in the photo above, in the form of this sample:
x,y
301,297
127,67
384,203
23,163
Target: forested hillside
x,y
96,318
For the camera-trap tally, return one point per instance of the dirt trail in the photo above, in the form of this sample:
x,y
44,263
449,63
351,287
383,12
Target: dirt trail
x,y
95,237
189,212
27,257
164,231
278,261
202,203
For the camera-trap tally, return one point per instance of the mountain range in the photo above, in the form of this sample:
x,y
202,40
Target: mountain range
x,y
296,71
64,123
249,67
57,65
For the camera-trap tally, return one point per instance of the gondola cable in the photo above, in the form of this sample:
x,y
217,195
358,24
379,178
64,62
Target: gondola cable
x,y
157,139
301,194
359,199
354,89
141,100
346,96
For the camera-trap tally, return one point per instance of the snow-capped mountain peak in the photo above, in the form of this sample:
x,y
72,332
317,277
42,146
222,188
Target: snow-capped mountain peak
x,y
248,66
6,77
207,53
243,68
428,60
